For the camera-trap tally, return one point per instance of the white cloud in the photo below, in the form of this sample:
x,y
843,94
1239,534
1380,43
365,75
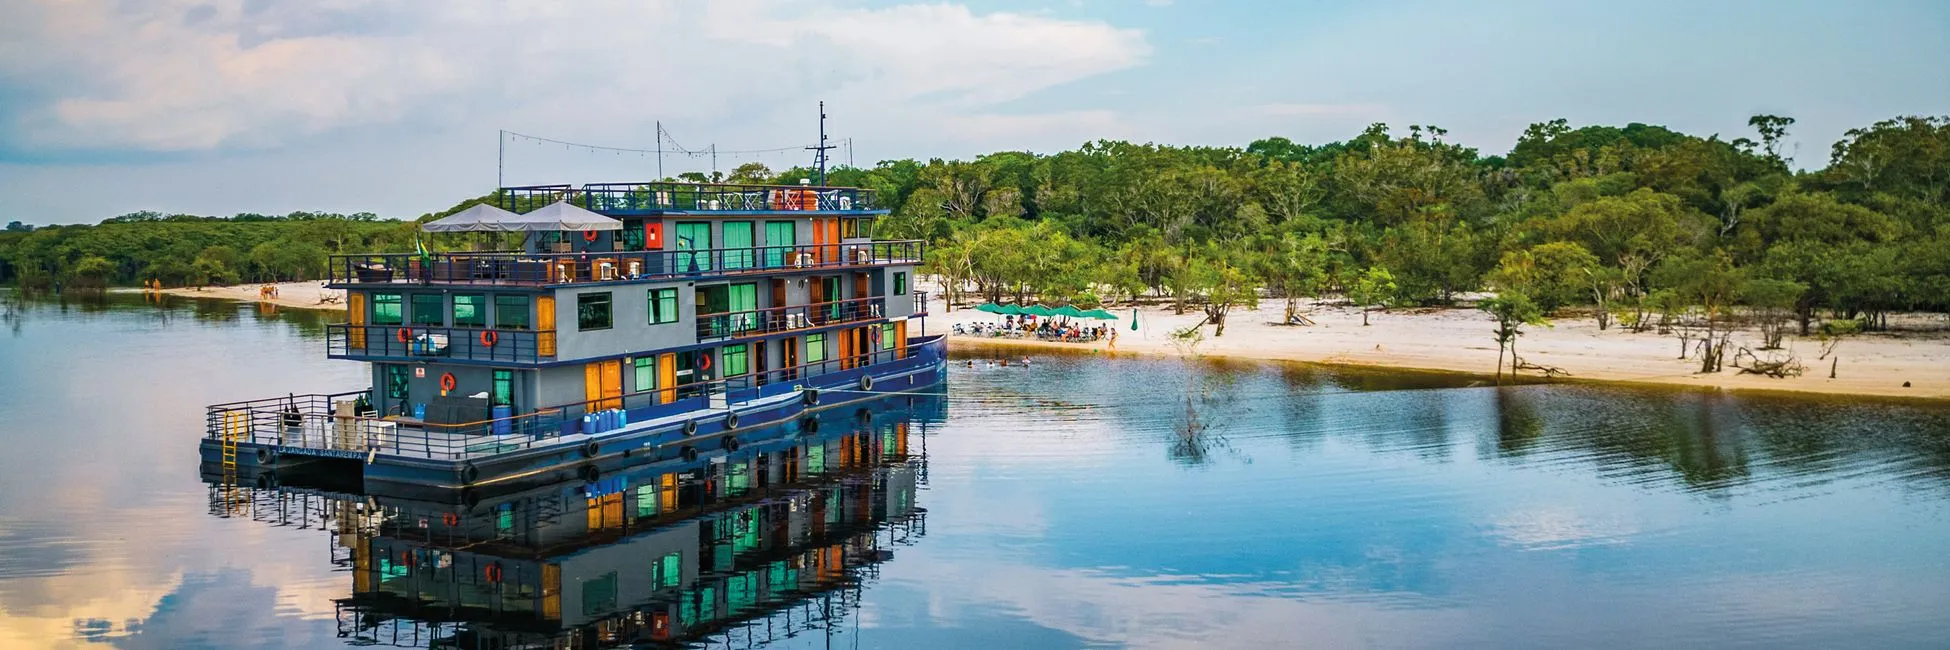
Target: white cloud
x,y
185,76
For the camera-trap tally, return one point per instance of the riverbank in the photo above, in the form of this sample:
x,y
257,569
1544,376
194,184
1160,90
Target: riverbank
x,y
1459,340
294,295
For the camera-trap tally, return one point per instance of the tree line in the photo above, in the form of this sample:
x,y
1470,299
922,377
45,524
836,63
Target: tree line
x,y
1640,225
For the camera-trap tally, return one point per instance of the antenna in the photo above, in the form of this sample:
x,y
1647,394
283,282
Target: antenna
x,y
822,147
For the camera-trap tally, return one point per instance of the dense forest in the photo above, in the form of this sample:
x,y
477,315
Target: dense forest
x,y
1634,224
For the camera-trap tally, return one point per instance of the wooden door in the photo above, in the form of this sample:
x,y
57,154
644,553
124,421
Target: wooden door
x,y
355,310
846,348
760,363
667,377
900,339
602,385
862,288
818,314
791,362
545,326
833,240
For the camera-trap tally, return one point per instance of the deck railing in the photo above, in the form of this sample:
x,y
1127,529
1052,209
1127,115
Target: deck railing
x,y
659,197
771,320
345,341
537,269
312,422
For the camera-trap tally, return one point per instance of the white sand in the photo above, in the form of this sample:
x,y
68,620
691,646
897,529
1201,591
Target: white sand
x,y
1460,340
298,295
1454,340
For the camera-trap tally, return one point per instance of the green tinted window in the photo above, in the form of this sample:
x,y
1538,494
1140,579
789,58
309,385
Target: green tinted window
x,y
663,306
593,311
599,595
386,309
887,336
646,374
429,309
900,283
815,348
503,393
735,361
470,310
396,382
511,312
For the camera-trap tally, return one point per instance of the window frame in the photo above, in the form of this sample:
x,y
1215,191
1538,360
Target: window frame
x,y
643,375
589,299
657,306
398,302
478,301
900,283
438,310
815,345
516,303
887,334
743,359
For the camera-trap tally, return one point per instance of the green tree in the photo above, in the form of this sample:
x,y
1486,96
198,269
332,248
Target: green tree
x,y
1512,310
1374,288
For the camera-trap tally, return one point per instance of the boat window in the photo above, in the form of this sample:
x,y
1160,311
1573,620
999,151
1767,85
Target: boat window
x,y
504,389
815,348
736,360
663,306
887,336
470,310
646,374
849,228
396,382
900,283
592,311
511,312
385,309
429,309
670,571
599,595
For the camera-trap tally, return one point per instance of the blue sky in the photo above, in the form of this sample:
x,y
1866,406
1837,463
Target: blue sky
x,y
223,106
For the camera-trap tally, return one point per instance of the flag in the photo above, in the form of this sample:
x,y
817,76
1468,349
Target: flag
x,y
425,257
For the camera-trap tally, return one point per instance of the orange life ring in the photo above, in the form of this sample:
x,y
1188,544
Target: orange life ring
x,y
493,573
589,235
450,519
407,558
447,381
404,335
704,362
874,333
490,337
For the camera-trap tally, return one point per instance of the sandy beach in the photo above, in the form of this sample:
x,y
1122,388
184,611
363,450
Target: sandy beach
x,y
1459,340
1449,340
295,295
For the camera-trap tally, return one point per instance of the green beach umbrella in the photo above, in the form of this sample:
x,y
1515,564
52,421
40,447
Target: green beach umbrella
x,y
1038,310
1008,310
1067,310
1100,314
989,307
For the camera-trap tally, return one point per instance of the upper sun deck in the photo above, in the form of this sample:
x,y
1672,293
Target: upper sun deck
x,y
680,198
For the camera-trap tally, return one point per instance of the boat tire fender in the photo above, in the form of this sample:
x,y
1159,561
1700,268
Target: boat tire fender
x,y
589,473
267,456
812,397
809,425
590,449
866,382
730,421
690,427
469,473
730,443
688,453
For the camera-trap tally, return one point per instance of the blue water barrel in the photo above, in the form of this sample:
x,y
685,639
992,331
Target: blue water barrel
x,y
500,414
622,418
420,412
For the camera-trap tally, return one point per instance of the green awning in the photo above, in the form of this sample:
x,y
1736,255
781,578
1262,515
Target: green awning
x,y
1068,310
1038,310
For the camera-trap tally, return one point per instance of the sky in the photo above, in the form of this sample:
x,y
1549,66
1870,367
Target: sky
x,y
226,106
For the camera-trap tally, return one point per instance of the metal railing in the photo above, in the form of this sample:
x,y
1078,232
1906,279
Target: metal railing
x,y
346,341
772,320
537,269
311,422
659,197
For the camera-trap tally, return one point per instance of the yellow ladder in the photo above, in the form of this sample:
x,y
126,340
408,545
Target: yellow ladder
x,y
234,423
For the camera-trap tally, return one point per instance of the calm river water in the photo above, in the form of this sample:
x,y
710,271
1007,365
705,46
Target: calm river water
x,y
1079,502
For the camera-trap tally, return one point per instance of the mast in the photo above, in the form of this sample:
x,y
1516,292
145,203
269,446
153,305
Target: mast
x,y
822,147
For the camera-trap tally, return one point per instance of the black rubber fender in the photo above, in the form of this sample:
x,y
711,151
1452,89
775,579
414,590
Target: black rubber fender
x,y
590,449
267,456
866,382
812,397
731,443
469,473
730,421
589,473
809,425
690,427
688,453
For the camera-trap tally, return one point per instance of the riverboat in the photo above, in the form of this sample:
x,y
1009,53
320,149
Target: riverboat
x,y
780,536
661,320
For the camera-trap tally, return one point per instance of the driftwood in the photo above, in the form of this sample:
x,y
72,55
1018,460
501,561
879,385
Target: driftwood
x,y
1550,372
1778,368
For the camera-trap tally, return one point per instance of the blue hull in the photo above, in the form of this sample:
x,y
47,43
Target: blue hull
x,y
590,457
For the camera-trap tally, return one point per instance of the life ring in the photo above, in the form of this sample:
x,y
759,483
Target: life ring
x,y
490,337
450,519
866,382
688,453
874,333
492,573
404,335
690,427
447,381
589,473
730,421
812,397
730,443
590,449
809,425
589,235
704,362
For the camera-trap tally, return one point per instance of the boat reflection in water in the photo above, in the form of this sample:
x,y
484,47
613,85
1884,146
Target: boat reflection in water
x,y
744,547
